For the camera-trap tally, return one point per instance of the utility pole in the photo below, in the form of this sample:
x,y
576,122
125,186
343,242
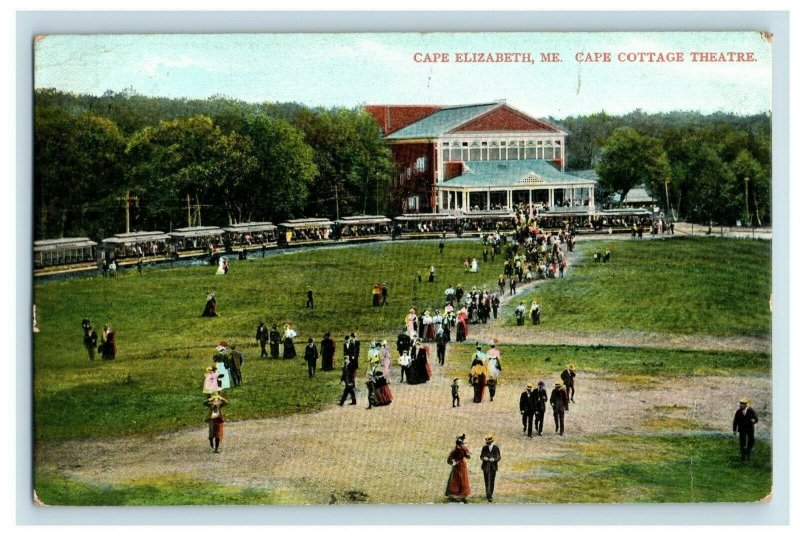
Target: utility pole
x,y
747,200
129,200
666,191
336,194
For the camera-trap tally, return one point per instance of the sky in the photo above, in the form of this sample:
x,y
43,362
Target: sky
x,y
356,69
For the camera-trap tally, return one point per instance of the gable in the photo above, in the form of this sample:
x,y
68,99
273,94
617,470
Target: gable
x,y
392,118
505,119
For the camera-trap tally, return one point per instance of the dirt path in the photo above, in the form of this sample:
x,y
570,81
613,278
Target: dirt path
x,y
397,453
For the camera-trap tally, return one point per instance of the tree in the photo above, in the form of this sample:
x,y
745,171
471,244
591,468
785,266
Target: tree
x,y
285,168
354,162
630,159
77,173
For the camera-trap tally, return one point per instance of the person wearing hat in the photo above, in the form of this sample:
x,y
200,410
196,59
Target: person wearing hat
x,y
384,294
441,345
215,419
454,392
411,322
458,482
311,356
211,383
536,312
477,376
539,407
220,360
108,343
527,408
349,380
519,312
289,334
274,342
262,336
490,456
386,360
376,295
233,361
568,377
211,305
559,401
744,422
328,351
309,298
89,339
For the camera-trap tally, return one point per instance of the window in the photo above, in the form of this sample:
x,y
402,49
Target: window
x,y
494,151
421,164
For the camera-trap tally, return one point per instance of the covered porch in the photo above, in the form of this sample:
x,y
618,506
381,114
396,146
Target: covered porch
x,y
510,185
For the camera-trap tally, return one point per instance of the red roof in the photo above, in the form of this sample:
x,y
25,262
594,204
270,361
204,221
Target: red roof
x,y
393,117
505,119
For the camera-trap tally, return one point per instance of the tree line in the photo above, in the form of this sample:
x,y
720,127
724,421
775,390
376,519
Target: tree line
x,y
705,168
162,158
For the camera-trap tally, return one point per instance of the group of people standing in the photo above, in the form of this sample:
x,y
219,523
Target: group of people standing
x,y
277,339
457,487
107,345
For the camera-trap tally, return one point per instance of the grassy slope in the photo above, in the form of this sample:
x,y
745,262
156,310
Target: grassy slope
x,y
165,345
706,286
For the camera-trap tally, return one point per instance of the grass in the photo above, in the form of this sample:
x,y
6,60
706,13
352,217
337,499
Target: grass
x,y
167,490
706,286
675,468
164,344
632,365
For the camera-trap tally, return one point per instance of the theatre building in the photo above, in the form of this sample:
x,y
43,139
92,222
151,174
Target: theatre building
x,y
478,157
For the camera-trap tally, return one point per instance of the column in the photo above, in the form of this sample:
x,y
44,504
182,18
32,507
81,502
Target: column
x,y
508,199
488,200
551,198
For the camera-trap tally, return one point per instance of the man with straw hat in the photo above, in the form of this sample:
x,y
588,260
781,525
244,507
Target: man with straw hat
x,y
490,456
744,422
215,419
526,408
568,377
539,406
560,404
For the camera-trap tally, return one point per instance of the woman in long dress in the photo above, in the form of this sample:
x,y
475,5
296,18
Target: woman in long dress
x,y
478,376
462,332
211,305
223,374
222,268
422,364
288,344
458,481
211,383
386,360
328,351
411,323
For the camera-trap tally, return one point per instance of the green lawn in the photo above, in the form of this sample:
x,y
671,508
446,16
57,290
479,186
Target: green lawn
x,y
164,344
674,468
528,362
706,286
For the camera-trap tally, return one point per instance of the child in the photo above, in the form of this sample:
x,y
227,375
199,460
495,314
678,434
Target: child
x,y
454,391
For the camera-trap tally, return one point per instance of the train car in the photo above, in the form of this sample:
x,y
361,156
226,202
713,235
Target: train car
x,y
622,220
306,231
250,236
196,241
63,255
362,228
425,225
127,248
477,222
555,220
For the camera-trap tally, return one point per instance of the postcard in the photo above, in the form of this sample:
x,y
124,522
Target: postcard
x,y
402,268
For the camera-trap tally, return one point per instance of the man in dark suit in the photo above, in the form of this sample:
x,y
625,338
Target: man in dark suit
x,y
441,346
312,354
490,456
526,409
274,342
568,377
262,336
539,407
349,380
559,400
356,348
744,422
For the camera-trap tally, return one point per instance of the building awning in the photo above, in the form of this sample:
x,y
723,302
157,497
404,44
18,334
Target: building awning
x,y
61,244
195,232
136,238
306,223
364,220
250,227
513,174
425,217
